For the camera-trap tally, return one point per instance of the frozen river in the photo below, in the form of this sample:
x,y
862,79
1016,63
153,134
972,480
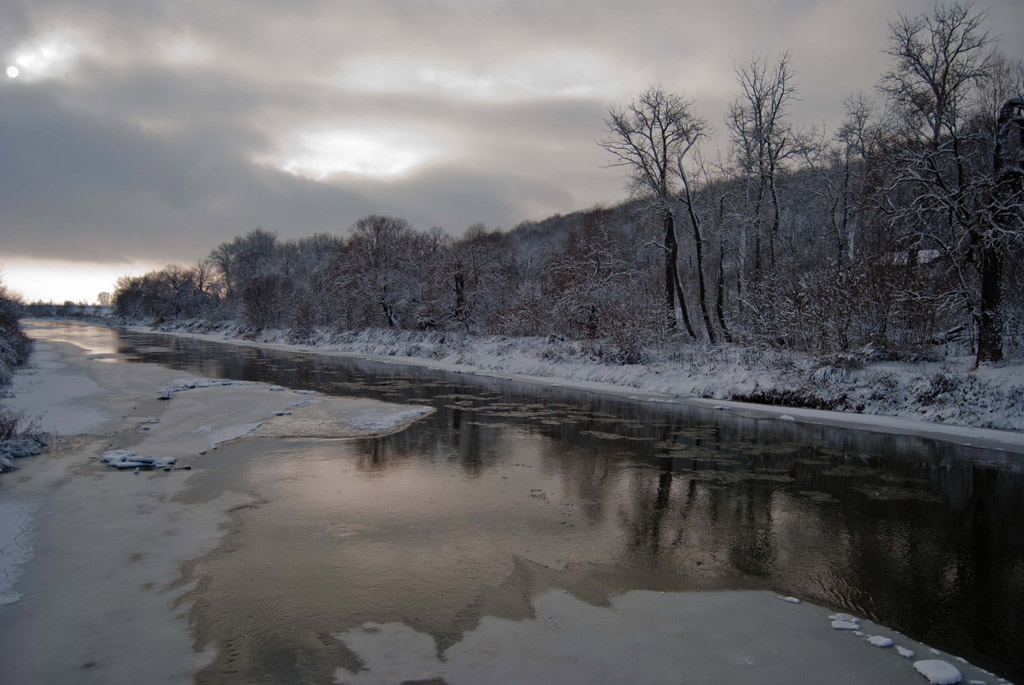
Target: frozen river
x,y
510,490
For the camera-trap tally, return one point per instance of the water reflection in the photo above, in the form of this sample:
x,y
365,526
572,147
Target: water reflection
x,y
509,487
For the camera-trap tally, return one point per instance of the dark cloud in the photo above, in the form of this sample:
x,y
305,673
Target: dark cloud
x,y
156,130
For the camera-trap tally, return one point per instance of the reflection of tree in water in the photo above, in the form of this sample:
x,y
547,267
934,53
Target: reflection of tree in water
x,y
921,535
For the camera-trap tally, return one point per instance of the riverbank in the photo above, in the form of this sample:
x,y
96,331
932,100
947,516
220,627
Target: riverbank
x,y
947,401
94,574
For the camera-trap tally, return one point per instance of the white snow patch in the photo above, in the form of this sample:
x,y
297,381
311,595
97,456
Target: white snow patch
x,y
379,420
640,637
904,652
844,617
791,600
938,672
879,641
844,625
786,417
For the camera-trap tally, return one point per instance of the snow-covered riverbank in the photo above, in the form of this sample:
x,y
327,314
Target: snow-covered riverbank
x,y
945,400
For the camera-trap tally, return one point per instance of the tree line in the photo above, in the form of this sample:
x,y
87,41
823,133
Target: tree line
x,y
899,230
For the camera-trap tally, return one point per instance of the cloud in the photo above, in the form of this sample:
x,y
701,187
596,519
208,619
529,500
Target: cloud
x,y
163,128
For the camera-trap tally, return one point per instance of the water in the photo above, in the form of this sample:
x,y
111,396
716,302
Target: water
x,y
510,489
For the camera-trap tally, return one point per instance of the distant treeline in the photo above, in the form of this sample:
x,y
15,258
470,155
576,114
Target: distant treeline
x,y
901,230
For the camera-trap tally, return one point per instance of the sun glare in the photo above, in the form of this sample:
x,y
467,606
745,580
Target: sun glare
x,y
41,59
59,281
380,153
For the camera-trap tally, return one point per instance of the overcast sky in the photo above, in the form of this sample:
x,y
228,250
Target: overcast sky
x,y
139,133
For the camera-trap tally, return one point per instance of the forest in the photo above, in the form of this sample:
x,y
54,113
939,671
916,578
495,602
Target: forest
x,y
897,234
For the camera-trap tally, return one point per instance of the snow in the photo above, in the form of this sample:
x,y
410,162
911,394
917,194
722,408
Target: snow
x,y
880,641
639,637
947,400
845,625
123,539
378,421
126,459
938,672
791,600
904,652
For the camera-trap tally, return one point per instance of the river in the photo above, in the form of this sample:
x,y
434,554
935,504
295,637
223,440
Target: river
x,y
510,488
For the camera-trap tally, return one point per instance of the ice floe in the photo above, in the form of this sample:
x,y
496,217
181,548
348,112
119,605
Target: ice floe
x,y
938,672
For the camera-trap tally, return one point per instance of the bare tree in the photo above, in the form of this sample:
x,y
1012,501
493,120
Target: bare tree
x,y
378,272
762,139
963,180
696,223
650,136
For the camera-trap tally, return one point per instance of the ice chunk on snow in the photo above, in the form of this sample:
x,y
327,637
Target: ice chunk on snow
x,y
879,641
938,672
791,600
116,455
126,459
844,625
904,652
385,421
844,617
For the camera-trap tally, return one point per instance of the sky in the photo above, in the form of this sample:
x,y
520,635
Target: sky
x,y
134,134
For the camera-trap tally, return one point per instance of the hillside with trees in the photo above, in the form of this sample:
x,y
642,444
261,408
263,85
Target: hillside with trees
x,y
897,235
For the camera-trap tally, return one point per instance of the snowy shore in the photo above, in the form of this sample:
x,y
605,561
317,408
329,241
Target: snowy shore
x,y
948,401
94,584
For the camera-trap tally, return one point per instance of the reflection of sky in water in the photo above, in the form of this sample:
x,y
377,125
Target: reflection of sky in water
x,y
510,489
94,339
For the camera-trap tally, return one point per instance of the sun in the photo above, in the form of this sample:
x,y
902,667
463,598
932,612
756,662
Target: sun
x,y
13,71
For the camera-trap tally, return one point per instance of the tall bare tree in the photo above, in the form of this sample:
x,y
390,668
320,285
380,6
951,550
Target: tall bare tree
x,y
649,137
762,139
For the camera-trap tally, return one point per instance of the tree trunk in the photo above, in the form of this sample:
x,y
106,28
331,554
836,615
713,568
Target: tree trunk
x,y
720,294
1009,181
698,240
990,320
671,251
672,285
